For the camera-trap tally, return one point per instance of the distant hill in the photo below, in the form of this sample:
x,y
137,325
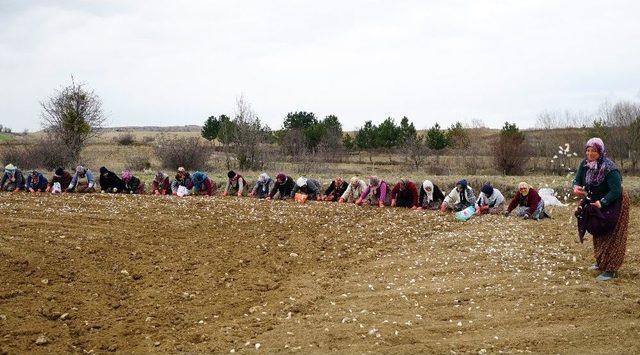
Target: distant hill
x,y
187,128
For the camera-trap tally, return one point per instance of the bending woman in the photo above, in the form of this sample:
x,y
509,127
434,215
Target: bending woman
x,y
527,203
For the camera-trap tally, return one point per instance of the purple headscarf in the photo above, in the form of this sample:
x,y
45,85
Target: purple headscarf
x,y
598,169
126,175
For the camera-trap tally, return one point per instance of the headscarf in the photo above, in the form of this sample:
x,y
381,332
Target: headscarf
x,y
281,177
462,183
374,184
81,170
263,178
35,176
103,170
427,186
524,185
199,178
354,181
598,169
10,169
374,181
160,177
403,184
302,181
181,169
59,172
126,175
487,189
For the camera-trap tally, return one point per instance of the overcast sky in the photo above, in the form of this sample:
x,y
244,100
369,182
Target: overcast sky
x,y
178,62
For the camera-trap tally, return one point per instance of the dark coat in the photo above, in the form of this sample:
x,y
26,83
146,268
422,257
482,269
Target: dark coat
x,y
64,180
109,181
132,185
336,191
438,197
284,188
408,197
40,185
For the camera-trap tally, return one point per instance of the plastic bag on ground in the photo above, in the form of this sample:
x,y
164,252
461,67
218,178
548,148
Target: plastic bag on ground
x,y
182,191
466,214
301,198
548,195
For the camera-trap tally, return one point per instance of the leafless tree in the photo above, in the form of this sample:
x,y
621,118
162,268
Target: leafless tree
x,y
72,116
249,136
416,151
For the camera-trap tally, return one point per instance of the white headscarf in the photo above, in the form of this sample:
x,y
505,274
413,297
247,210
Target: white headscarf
x,y
302,181
263,178
428,184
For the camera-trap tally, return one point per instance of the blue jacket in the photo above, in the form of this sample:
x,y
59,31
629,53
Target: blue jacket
x,y
40,185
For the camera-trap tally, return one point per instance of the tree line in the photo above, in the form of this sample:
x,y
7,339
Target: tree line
x,y
73,115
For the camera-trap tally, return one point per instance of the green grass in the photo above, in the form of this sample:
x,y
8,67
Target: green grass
x,y
5,137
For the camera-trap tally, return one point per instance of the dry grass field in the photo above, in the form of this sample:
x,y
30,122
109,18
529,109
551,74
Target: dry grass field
x,y
102,273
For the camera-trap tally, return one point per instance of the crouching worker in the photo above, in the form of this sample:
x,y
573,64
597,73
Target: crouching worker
x,y
353,191
404,194
309,187
431,197
377,193
182,179
12,180
161,184
82,181
335,190
282,187
490,200
60,181
202,184
236,184
110,182
527,203
36,182
461,197
132,185
262,187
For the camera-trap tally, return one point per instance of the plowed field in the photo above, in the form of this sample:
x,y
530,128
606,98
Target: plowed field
x,y
143,273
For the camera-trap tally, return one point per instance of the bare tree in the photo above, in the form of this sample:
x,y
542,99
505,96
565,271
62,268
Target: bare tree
x,y
416,151
623,115
249,136
72,116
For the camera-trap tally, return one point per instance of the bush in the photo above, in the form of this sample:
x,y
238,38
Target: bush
x,y
16,155
148,139
189,152
47,153
138,162
510,151
126,139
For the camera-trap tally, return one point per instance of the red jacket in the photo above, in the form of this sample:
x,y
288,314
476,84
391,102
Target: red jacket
x,y
531,200
410,192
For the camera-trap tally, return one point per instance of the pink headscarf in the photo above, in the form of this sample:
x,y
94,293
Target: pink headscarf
x,y
598,169
126,175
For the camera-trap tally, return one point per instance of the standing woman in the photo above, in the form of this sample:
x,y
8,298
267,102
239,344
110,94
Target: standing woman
x,y
604,208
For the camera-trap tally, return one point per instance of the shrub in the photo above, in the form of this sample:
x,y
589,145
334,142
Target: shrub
x,y
189,152
16,155
126,139
46,153
510,151
148,139
138,162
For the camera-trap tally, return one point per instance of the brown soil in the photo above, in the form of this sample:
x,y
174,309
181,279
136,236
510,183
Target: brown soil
x,y
140,273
